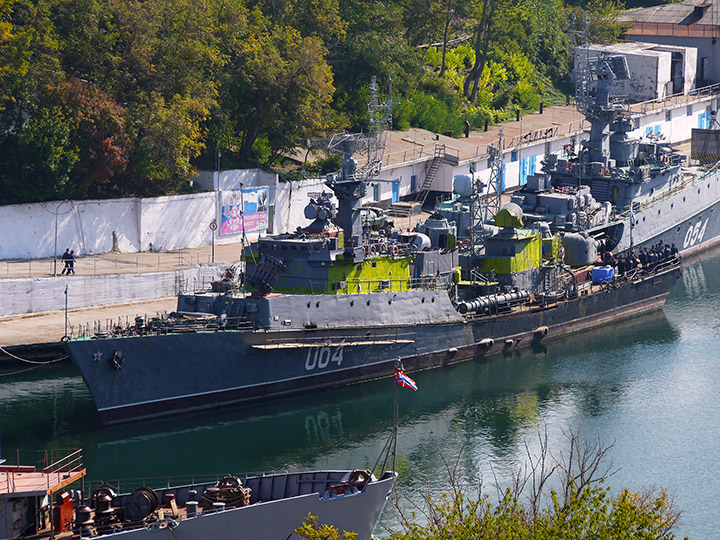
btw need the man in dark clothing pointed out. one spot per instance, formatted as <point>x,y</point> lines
<point>71,263</point>
<point>66,260</point>
<point>643,257</point>
<point>674,251</point>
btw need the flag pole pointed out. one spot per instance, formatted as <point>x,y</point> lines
<point>396,414</point>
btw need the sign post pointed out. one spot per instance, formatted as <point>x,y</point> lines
<point>213,228</point>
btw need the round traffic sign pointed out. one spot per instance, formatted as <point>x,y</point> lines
<point>213,226</point>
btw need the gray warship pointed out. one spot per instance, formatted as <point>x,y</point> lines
<point>625,192</point>
<point>337,303</point>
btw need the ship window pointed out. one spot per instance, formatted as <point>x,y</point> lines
<point>643,218</point>
<point>658,211</point>
<point>683,199</point>
<point>352,303</point>
<point>513,155</point>
<point>689,110</point>
<point>672,205</point>
<point>668,115</point>
<point>374,264</point>
<point>678,229</point>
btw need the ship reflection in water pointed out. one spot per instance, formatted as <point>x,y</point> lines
<point>644,385</point>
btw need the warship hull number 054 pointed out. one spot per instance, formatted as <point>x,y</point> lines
<point>338,303</point>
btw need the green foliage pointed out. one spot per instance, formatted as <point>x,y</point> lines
<point>313,530</point>
<point>581,507</point>
<point>593,513</point>
<point>36,161</point>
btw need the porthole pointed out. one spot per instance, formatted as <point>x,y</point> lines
<point>308,304</point>
<point>352,303</point>
<point>368,302</point>
<point>317,304</point>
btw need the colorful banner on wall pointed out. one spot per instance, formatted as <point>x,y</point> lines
<point>250,202</point>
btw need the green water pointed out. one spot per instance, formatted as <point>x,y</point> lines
<point>649,386</point>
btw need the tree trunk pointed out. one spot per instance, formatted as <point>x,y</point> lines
<point>482,41</point>
<point>448,17</point>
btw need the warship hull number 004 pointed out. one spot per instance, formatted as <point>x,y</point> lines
<point>338,303</point>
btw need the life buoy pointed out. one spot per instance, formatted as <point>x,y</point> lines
<point>373,249</point>
<point>602,171</point>
<point>666,160</point>
<point>569,166</point>
<point>395,251</point>
<point>383,248</point>
<point>466,243</point>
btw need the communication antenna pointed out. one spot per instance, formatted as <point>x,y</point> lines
<point>485,206</point>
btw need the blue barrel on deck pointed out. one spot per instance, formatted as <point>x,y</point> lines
<point>602,274</point>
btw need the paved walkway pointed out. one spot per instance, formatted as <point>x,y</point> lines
<point>124,263</point>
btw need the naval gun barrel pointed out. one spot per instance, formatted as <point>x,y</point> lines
<point>481,303</point>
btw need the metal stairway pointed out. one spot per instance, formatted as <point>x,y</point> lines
<point>431,171</point>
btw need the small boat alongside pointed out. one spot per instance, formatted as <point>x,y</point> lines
<point>57,502</point>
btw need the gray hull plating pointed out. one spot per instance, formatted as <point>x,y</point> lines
<point>162,374</point>
<point>688,218</point>
<point>276,519</point>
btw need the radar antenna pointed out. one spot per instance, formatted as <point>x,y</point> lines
<point>485,206</point>
<point>370,144</point>
<point>594,75</point>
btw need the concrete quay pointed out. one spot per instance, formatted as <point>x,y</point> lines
<point>123,279</point>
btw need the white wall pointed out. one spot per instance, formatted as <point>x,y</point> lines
<point>177,222</point>
<point>28,230</point>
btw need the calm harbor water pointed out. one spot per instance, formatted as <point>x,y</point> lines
<point>649,386</point>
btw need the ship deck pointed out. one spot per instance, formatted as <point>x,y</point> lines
<point>62,468</point>
<point>26,481</point>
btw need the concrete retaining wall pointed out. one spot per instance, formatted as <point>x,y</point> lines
<point>27,231</point>
<point>19,296</point>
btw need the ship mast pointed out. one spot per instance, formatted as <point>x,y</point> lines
<point>350,184</point>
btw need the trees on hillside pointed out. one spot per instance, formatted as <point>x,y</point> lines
<point>102,98</point>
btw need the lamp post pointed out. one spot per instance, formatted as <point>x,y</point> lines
<point>57,208</point>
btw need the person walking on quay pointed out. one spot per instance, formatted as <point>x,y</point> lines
<point>66,259</point>
<point>71,263</point>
